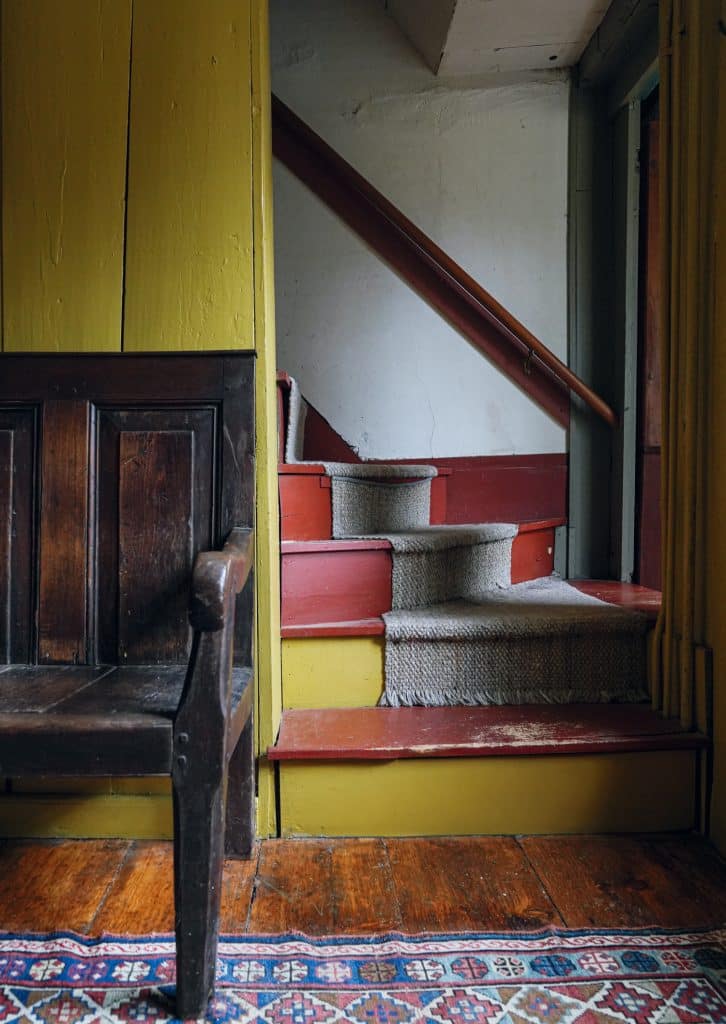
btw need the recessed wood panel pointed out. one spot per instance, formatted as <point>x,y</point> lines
<point>189,281</point>
<point>156,509</point>
<point>65,85</point>
<point>155,544</point>
<point>17,533</point>
<point>63,593</point>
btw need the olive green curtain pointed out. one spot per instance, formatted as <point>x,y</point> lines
<point>690,41</point>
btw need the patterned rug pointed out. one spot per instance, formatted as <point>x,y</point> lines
<point>551,977</point>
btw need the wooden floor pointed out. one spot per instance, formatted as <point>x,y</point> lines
<point>360,886</point>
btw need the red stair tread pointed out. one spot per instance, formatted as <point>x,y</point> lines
<point>381,734</point>
<point>626,595</point>
<point>354,627</point>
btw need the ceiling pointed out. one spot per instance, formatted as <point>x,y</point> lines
<point>462,37</point>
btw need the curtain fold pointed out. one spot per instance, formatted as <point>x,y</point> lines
<point>690,34</point>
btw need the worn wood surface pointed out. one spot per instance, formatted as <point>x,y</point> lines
<point>189,178</point>
<point>65,86</point>
<point>363,886</point>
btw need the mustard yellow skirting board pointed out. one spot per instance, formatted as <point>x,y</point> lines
<point>332,672</point>
<point>84,816</point>
<point>490,796</point>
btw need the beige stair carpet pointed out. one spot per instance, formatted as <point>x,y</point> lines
<point>533,643</point>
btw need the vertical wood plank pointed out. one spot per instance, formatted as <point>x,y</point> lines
<point>155,545</point>
<point>6,523</point>
<point>62,600</point>
<point>189,240</point>
<point>17,533</point>
<point>65,85</point>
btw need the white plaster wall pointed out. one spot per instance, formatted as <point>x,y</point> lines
<point>481,166</point>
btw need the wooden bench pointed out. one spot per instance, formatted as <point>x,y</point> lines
<point>126,510</point>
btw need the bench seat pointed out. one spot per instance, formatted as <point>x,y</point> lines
<point>121,718</point>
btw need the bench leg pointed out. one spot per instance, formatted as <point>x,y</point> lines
<point>198,862</point>
<point>241,809</point>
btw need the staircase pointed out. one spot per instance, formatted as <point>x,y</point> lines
<point>348,766</point>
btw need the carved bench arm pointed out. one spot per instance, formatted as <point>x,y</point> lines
<point>218,576</point>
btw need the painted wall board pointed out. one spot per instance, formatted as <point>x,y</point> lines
<point>189,278</point>
<point>65,81</point>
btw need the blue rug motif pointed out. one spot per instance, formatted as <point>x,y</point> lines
<point>548,977</point>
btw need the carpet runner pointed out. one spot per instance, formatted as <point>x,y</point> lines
<point>459,632</point>
<point>550,977</point>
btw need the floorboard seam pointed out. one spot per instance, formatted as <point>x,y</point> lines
<point>544,887</point>
<point>111,885</point>
<point>253,893</point>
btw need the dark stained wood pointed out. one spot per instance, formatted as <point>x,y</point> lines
<point>467,884</point>
<point>218,578</point>
<point>241,817</point>
<point>293,888</point>
<point>372,734</point>
<point>156,509</point>
<point>50,886</point>
<point>155,544</point>
<point>17,532</point>
<point>237,498</point>
<point>38,688</point>
<point>64,556</point>
<point>622,882</point>
<point>138,483</point>
<point>147,379</point>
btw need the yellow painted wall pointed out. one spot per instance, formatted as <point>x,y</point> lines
<point>490,795</point>
<point>136,216</point>
<point>65,79</point>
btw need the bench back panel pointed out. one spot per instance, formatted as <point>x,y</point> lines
<point>114,472</point>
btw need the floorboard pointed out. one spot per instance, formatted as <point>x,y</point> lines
<point>622,882</point>
<point>464,884</point>
<point>56,886</point>
<point>364,886</point>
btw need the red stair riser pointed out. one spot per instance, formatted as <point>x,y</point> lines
<point>438,500</point>
<point>335,586</point>
<point>306,504</point>
<point>305,507</point>
<point>341,585</point>
<point>533,555</point>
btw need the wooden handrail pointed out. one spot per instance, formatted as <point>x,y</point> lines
<point>527,352</point>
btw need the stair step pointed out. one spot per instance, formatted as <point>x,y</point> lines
<point>328,582</point>
<point>306,500</point>
<point>381,734</point>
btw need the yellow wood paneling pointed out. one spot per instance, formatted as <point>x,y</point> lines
<point>490,795</point>
<point>189,277</point>
<point>269,690</point>
<point>86,817</point>
<point>65,84</point>
<point>332,672</point>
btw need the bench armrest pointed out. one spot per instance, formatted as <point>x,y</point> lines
<point>218,577</point>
